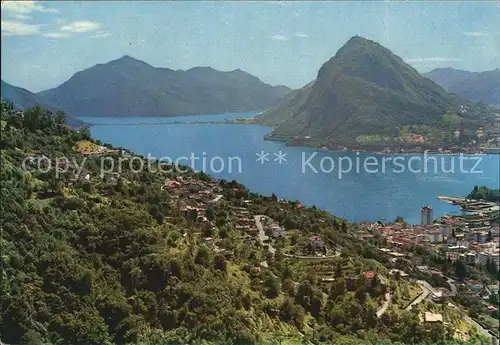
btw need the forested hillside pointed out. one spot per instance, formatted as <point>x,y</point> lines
<point>93,257</point>
<point>24,99</point>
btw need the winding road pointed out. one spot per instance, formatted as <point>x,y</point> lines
<point>262,235</point>
<point>425,292</point>
<point>453,285</point>
<point>384,306</point>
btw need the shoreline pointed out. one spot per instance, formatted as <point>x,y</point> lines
<point>450,199</point>
<point>251,121</point>
<point>381,153</point>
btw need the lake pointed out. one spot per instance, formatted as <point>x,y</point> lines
<point>351,185</point>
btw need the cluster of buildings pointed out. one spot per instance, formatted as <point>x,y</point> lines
<point>193,196</point>
<point>474,240</point>
<point>244,220</point>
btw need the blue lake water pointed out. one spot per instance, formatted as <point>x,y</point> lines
<point>377,186</point>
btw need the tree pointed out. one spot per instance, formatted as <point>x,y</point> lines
<point>272,286</point>
<point>338,270</point>
<point>60,118</point>
<point>304,293</point>
<point>290,312</point>
<point>361,296</point>
<point>32,338</point>
<point>210,213</point>
<point>224,231</point>
<point>203,256</point>
<point>460,270</point>
<point>399,219</point>
<point>85,133</point>
<point>338,288</point>
<point>220,263</point>
<point>274,197</point>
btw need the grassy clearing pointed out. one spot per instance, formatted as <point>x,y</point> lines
<point>85,146</point>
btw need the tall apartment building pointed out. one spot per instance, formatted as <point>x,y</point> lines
<point>426,215</point>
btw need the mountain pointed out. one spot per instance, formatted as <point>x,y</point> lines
<point>22,98</point>
<point>363,96</point>
<point>130,87</point>
<point>475,86</point>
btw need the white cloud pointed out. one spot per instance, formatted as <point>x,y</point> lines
<point>20,16</point>
<point>432,59</point>
<point>301,35</point>
<point>101,35</point>
<point>81,26</point>
<point>278,38</point>
<point>13,28</point>
<point>475,34</point>
<point>55,35</point>
<point>25,7</point>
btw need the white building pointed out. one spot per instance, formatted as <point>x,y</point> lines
<point>457,249</point>
<point>469,258</point>
<point>445,230</point>
<point>492,256</point>
<point>435,237</point>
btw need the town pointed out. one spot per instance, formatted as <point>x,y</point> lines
<point>470,240</point>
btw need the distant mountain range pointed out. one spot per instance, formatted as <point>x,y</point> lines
<point>475,86</point>
<point>130,87</point>
<point>22,98</point>
<point>365,96</point>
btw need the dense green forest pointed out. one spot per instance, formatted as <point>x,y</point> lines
<point>484,193</point>
<point>109,258</point>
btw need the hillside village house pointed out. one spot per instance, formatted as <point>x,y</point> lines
<point>278,232</point>
<point>316,243</point>
<point>433,318</point>
<point>473,285</point>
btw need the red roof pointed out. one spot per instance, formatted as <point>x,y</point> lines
<point>172,184</point>
<point>473,282</point>
<point>369,275</point>
<point>451,220</point>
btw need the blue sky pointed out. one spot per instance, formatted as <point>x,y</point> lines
<point>45,43</point>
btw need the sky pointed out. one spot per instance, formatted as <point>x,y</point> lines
<point>282,43</point>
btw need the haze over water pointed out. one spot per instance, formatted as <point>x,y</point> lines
<point>355,195</point>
